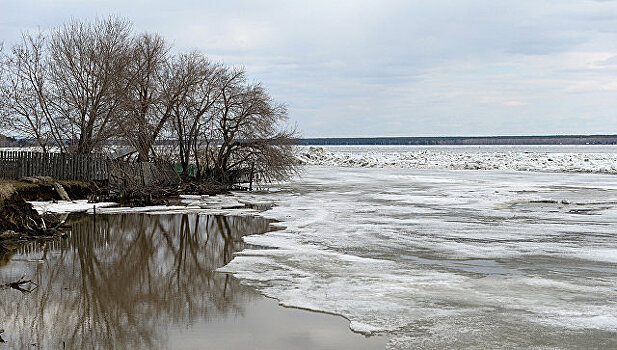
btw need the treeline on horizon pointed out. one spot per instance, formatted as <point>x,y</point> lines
<point>6,141</point>
<point>84,85</point>
<point>461,140</point>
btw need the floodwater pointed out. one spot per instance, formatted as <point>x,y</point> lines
<point>425,258</point>
<point>139,281</point>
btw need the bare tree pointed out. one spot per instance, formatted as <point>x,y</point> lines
<point>24,93</point>
<point>249,125</point>
<point>86,82</point>
<point>87,60</point>
<point>3,77</point>
<point>193,111</point>
<point>142,117</point>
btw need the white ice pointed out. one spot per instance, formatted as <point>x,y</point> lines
<point>202,205</point>
<point>495,158</point>
<point>483,258</point>
<point>64,207</point>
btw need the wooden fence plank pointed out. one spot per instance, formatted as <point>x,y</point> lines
<point>18,164</point>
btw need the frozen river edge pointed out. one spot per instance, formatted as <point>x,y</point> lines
<point>425,255</point>
<point>457,159</point>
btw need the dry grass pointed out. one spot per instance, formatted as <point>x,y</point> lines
<point>6,190</point>
<point>10,187</point>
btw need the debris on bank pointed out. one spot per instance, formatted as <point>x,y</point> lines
<point>20,222</point>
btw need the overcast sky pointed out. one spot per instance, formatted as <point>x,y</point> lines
<point>393,68</point>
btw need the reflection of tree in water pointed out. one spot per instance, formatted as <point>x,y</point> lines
<point>124,279</point>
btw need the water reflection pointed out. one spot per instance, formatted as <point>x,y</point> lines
<point>123,280</point>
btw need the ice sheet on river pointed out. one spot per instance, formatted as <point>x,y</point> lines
<point>444,258</point>
<point>444,158</point>
<point>205,205</point>
<point>64,207</point>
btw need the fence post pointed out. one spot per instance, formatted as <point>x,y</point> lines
<point>20,161</point>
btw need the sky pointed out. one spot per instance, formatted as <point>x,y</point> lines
<point>360,68</point>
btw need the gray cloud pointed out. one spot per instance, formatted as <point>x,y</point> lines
<point>395,67</point>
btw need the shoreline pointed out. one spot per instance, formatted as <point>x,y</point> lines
<point>455,158</point>
<point>17,213</point>
<point>20,223</point>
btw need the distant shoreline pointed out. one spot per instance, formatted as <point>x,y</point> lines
<point>462,140</point>
<point>415,141</point>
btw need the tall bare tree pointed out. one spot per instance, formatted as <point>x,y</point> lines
<point>193,112</point>
<point>3,77</point>
<point>142,117</point>
<point>25,93</point>
<point>87,61</point>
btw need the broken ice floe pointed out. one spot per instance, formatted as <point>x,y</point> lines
<point>603,162</point>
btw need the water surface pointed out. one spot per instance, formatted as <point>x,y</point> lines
<point>137,281</point>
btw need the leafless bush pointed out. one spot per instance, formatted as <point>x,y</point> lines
<point>248,124</point>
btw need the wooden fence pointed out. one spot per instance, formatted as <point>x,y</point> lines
<point>18,164</point>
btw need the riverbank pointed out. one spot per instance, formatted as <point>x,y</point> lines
<point>20,222</point>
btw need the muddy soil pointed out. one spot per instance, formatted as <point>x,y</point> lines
<point>19,222</point>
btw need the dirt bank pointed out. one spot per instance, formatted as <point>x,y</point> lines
<point>19,222</point>
<point>42,188</point>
